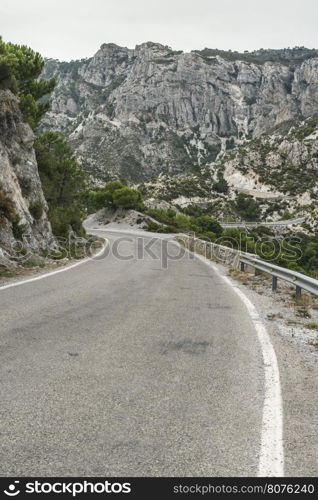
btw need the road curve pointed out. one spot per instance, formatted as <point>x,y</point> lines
<point>121,367</point>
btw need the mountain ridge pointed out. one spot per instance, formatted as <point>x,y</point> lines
<point>136,113</point>
<point>198,127</point>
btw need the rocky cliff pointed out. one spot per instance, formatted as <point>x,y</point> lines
<point>279,169</point>
<point>139,113</point>
<point>22,204</point>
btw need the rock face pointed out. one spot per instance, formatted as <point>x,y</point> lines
<point>282,162</point>
<point>22,204</point>
<point>138,113</point>
<point>279,169</point>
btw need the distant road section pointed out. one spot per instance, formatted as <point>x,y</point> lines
<point>281,223</point>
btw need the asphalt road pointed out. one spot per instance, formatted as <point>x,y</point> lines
<point>122,367</point>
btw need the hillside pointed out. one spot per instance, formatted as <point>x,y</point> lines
<point>23,209</point>
<point>137,113</point>
<point>40,181</point>
<point>278,169</point>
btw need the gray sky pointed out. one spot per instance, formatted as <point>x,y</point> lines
<point>72,29</point>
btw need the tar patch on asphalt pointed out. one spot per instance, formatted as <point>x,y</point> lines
<point>186,346</point>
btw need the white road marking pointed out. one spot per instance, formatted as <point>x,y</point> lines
<point>271,461</point>
<point>57,271</point>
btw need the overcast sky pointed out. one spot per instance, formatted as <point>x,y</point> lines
<point>72,29</point>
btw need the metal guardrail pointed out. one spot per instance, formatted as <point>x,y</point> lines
<point>235,258</point>
<point>301,281</point>
<point>281,223</point>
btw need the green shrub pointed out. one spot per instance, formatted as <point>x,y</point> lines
<point>126,197</point>
<point>209,236</point>
<point>158,228</point>
<point>63,183</point>
<point>208,224</point>
<point>7,207</point>
<point>164,216</point>
<point>103,197</point>
<point>182,221</point>
<point>34,261</point>
<point>36,210</point>
<point>18,229</point>
<point>63,219</point>
<point>114,195</point>
<point>221,186</point>
<point>247,208</point>
<point>171,213</point>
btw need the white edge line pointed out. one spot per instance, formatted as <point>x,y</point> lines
<point>271,460</point>
<point>57,271</point>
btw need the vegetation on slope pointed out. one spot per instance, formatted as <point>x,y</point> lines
<point>63,183</point>
<point>20,68</point>
<point>113,195</point>
<point>295,55</point>
<point>62,179</point>
<point>296,251</point>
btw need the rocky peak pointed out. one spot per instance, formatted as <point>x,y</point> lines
<point>140,112</point>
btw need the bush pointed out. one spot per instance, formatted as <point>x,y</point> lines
<point>7,208</point>
<point>171,213</point>
<point>221,186</point>
<point>209,236</point>
<point>63,219</point>
<point>34,261</point>
<point>183,221</point>
<point>164,216</point>
<point>203,225</point>
<point>294,266</point>
<point>126,197</point>
<point>208,224</point>
<point>36,210</point>
<point>103,197</point>
<point>247,208</point>
<point>18,229</point>
<point>114,195</point>
<point>158,228</point>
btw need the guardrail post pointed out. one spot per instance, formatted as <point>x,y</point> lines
<point>298,292</point>
<point>242,267</point>
<point>274,283</point>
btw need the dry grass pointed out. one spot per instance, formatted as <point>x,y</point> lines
<point>312,325</point>
<point>314,342</point>
<point>305,300</point>
<point>292,322</point>
<point>272,316</point>
<point>302,312</point>
<point>6,272</point>
<point>240,275</point>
